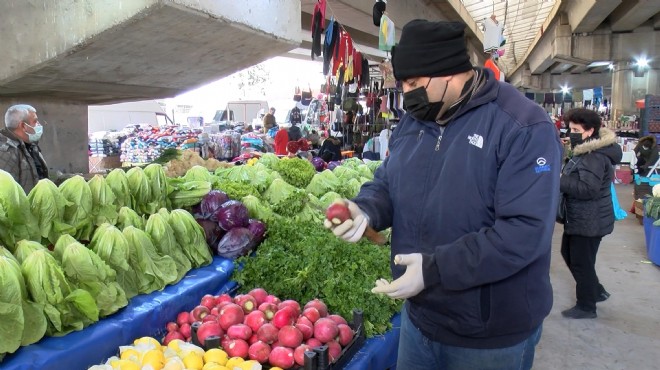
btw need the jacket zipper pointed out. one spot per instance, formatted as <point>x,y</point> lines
<point>437,144</point>
<point>421,133</point>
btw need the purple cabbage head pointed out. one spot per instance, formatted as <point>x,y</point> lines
<point>332,165</point>
<point>236,242</point>
<point>231,214</point>
<point>212,230</point>
<point>258,230</point>
<point>211,202</point>
<point>318,163</point>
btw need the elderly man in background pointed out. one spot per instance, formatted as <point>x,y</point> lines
<point>20,154</point>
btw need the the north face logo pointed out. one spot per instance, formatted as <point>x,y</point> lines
<point>476,140</point>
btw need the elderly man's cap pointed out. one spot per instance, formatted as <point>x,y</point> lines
<point>430,49</point>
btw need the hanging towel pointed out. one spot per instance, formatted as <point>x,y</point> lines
<point>386,36</point>
<point>492,35</point>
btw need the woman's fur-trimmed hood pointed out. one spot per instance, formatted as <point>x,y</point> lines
<point>605,144</point>
<point>606,137</point>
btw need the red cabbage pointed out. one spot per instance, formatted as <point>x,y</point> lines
<point>237,242</point>
<point>231,214</point>
<point>258,230</point>
<point>211,202</point>
<point>332,165</point>
<point>212,230</point>
<point>318,163</point>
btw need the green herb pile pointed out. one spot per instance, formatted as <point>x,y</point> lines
<point>303,261</point>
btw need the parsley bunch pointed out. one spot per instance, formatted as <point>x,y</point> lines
<point>302,261</point>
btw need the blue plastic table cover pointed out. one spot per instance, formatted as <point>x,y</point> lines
<point>379,352</point>
<point>145,315</point>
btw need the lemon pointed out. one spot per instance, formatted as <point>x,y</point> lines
<point>212,366</point>
<point>250,365</point>
<point>175,345</point>
<point>216,355</point>
<point>130,354</point>
<point>234,361</point>
<point>155,358</point>
<point>193,361</point>
<point>174,364</point>
<point>126,365</point>
<point>147,340</point>
<point>276,368</point>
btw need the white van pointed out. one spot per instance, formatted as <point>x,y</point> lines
<point>115,117</point>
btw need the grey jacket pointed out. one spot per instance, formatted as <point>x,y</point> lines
<point>586,183</point>
<point>16,159</point>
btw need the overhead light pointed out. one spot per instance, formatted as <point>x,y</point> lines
<point>599,64</point>
<point>564,89</point>
<point>611,66</point>
<point>642,62</point>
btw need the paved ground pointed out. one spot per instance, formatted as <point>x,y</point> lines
<point>626,334</point>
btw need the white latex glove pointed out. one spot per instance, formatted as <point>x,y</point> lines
<point>352,229</point>
<point>409,284</point>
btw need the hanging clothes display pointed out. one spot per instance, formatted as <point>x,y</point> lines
<point>490,64</point>
<point>318,22</point>
<point>389,82</point>
<point>343,47</point>
<point>578,96</point>
<point>365,78</point>
<point>492,34</point>
<point>295,116</point>
<point>386,35</point>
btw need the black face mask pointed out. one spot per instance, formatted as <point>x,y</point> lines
<point>576,138</point>
<point>416,102</point>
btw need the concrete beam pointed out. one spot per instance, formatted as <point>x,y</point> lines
<point>656,22</point>
<point>632,13</point>
<point>629,46</point>
<point>587,15</point>
<point>101,52</point>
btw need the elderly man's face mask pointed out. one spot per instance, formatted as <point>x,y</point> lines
<point>416,102</point>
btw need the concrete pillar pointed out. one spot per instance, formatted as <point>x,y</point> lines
<point>626,88</point>
<point>64,141</point>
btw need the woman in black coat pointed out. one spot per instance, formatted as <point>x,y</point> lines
<point>585,182</point>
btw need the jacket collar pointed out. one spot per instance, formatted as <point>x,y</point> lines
<point>12,139</point>
<point>606,137</point>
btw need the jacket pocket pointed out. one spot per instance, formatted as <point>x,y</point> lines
<point>460,311</point>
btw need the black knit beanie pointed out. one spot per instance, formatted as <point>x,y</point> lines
<point>430,49</point>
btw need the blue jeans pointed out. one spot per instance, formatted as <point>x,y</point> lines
<point>416,352</point>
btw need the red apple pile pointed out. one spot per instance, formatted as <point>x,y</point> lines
<point>261,327</point>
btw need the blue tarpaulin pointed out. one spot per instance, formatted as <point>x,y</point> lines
<point>146,315</point>
<point>379,352</point>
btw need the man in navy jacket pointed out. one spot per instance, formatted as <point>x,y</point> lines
<point>470,190</point>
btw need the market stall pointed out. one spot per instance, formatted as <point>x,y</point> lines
<point>144,316</point>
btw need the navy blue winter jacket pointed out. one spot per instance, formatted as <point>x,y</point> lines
<point>478,198</point>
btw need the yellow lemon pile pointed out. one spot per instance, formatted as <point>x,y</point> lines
<point>147,354</point>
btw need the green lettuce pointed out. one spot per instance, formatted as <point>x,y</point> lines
<point>328,198</point>
<point>22,322</point>
<point>85,269</point>
<point>258,176</point>
<point>154,272</point>
<point>345,173</point>
<point>163,237</point>
<point>189,193</point>
<point>24,248</point>
<point>258,209</point>
<point>160,189</point>
<point>66,309</point>
<point>47,205</point>
<point>138,183</point>
<point>269,160</point>
<point>198,173</point>
<point>78,213</point>
<point>16,220</point>
<point>322,183</point>
<point>296,171</point>
<point>128,217</point>
<point>112,247</point>
<point>118,182</point>
<point>285,199</point>
<point>190,236</point>
<point>104,202</point>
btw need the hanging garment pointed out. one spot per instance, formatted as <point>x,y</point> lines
<point>357,66</point>
<point>578,96</point>
<point>379,9</point>
<point>348,76</point>
<point>386,37</point>
<point>389,82</point>
<point>344,46</point>
<point>365,78</point>
<point>295,116</point>
<point>493,67</point>
<point>492,35</point>
<point>384,139</point>
<point>331,36</point>
<point>317,30</point>
<point>588,95</point>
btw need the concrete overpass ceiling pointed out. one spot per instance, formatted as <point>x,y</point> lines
<point>522,22</point>
<point>632,14</point>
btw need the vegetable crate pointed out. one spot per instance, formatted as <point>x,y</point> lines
<point>652,235</point>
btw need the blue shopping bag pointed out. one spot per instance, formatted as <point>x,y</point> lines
<point>619,213</point>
